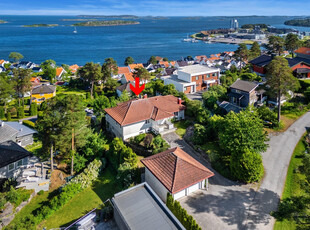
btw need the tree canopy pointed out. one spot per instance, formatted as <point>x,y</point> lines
<point>292,43</point>
<point>128,61</point>
<point>109,68</point>
<point>275,45</point>
<point>16,56</point>
<point>21,82</point>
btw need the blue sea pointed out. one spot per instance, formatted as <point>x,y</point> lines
<point>159,37</point>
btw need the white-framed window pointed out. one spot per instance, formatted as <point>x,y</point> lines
<point>19,163</point>
<point>41,94</point>
<point>176,114</point>
<point>237,91</point>
<point>11,166</point>
<point>197,78</point>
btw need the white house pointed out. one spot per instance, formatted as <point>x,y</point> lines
<point>176,172</point>
<point>193,78</point>
<point>137,116</point>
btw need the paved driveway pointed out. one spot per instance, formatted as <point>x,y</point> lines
<point>228,205</point>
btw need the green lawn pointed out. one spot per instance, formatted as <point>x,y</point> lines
<point>181,127</point>
<point>292,185</point>
<point>64,90</point>
<point>90,198</point>
<point>35,203</point>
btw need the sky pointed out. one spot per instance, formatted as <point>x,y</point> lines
<point>156,7</point>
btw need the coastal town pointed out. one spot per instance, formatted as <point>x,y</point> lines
<point>213,141</point>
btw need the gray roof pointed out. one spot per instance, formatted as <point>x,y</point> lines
<point>42,89</point>
<point>11,152</point>
<point>230,107</point>
<point>125,86</point>
<point>11,129</point>
<point>142,209</point>
<point>197,69</point>
<point>246,86</point>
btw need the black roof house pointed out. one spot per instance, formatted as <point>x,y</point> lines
<point>11,152</point>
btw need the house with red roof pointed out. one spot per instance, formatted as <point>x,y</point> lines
<point>132,67</point>
<point>59,73</point>
<point>74,68</point>
<point>176,172</point>
<point>154,114</point>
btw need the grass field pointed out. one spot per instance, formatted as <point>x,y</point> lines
<point>181,127</point>
<point>292,185</point>
<point>105,187</point>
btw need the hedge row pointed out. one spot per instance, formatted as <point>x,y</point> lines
<point>180,213</point>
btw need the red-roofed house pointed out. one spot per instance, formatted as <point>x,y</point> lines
<point>2,62</point>
<point>132,67</point>
<point>74,68</point>
<point>137,116</point>
<point>176,172</point>
<point>303,52</point>
<point>59,72</point>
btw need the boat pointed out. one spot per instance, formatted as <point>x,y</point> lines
<point>187,39</point>
<point>75,31</point>
<point>194,40</point>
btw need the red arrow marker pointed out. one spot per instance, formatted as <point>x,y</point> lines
<point>137,89</point>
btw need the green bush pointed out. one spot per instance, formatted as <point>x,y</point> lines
<point>180,213</point>
<point>267,115</point>
<point>17,196</point>
<point>20,112</point>
<point>28,123</point>
<point>159,144</point>
<point>33,109</point>
<point>200,134</point>
<point>247,166</point>
<point>2,114</point>
<point>8,116</point>
<point>41,192</point>
<point>138,139</point>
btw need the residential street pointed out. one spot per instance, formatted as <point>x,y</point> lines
<point>228,205</point>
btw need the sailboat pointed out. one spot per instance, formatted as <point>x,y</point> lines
<point>75,31</point>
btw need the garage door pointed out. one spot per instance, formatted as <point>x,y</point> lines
<point>179,195</point>
<point>193,188</point>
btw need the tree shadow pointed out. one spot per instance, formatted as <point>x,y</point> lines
<point>246,209</point>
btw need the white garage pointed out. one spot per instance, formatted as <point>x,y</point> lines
<point>176,172</point>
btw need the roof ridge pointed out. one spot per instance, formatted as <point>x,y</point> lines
<point>174,171</point>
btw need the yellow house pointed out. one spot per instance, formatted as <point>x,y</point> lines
<point>43,92</point>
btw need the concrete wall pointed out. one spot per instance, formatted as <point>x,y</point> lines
<point>157,186</point>
<point>113,126</point>
<point>184,76</point>
<point>178,86</point>
<point>6,173</point>
<point>118,219</point>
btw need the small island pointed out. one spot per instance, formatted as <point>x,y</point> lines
<point>78,20</point>
<point>41,25</point>
<point>298,22</point>
<point>107,23</point>
<point>110,16</point>
<point>2,21</point>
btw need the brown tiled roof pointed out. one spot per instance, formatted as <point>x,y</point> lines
<point>176,170</point>
<point>123,70</point>
<point>136,110</point>
<point>129,77</point>
<point>303,50</point>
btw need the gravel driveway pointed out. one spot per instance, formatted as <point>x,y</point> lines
<point>228,205</point>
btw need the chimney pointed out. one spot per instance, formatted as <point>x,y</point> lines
<point>144,96</point>
<point>1,123</point>
<point>179,101</point>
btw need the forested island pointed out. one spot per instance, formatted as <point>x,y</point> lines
<point>107,23</point>
<point>2,21</point>
<point>78,19</point>
<point>252,26</point>
<point>298,22</point>
<point>41,25</point>
<point>109,16</point>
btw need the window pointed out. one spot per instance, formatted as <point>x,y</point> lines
<point>41,94</point>
<point>147,121</point>
<point>208,75</point>
<point>19,163</point>
<point>11,166</point>
<point>197,78</point>
<point>237,91</point>
<point>176,114</point>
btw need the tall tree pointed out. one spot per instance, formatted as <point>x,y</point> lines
<point>255,50</point>
<point>142,73</point>
<point>74,131</point>
<point>292,43</point>
<point>49,70</point>
<point>6,90</point>
<point>280,79</point>
<point>128,61</point>
<point>242,53</point>
<point>152,60</point>
<point>21,82</point>
<point>91,73</point>
<point>275,45</point>
<point>16,56</point>
<point>49,128</point>
<point>109,68</point>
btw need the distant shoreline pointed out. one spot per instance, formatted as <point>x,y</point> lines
<point>106,23</point>
<point>2,22</point>
<point>41,25</point>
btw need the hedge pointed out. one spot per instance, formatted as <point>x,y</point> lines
<point>28,123</point>
<point>180,213</point>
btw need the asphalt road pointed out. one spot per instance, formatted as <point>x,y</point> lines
<point>229,205</point>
